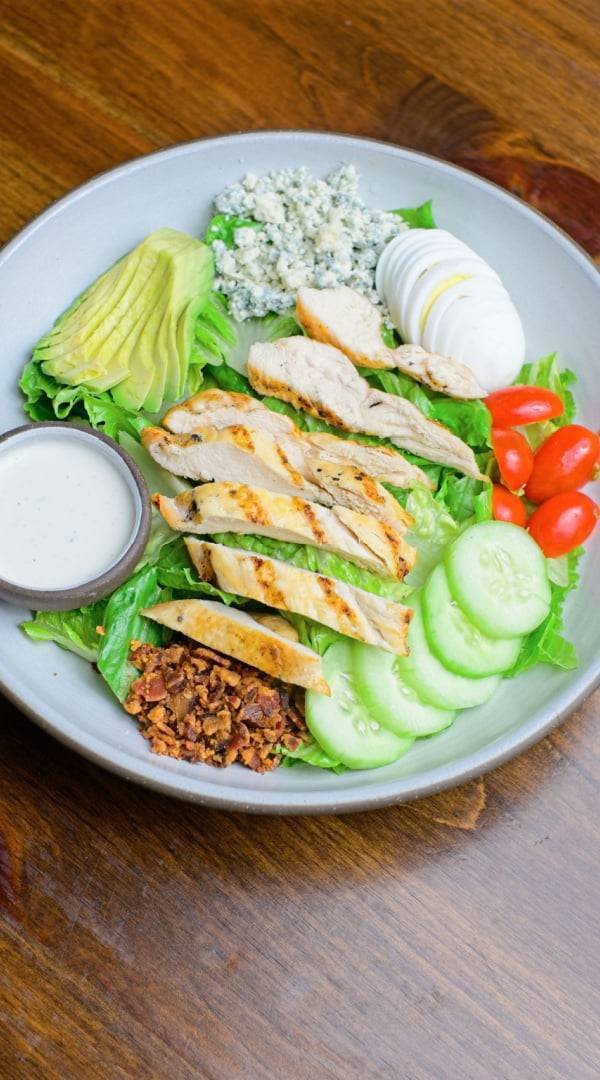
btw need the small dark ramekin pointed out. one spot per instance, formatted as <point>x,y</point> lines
<point>87,593</point>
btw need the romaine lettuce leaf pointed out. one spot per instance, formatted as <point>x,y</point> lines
<point>546,645</point>
<point>75,631</point>
<point>124,624</point>
<point>310,753</point>
<point>434,528</point>
<point>47,399</point>
<point>465,497</point>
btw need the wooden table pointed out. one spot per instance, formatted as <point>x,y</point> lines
<point>451,939</point>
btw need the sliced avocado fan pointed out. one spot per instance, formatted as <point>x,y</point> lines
<point>132,331</point>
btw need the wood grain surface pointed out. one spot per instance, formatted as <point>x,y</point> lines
<point>451,939</point>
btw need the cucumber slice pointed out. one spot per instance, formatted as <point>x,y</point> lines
<point>431,680</point>
<point>342,725</point>
<point>389,698</point>
<point>455,641</point>
<point>498,575</point>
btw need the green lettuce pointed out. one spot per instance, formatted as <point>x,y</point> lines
<point>433,529</point>
<point>47,399</point>
<point>123,624</point>
<point>418,217</point>
<point>465,498</point>
<point>76,631</point>
<point>546,645</point>
<point>310,753</point>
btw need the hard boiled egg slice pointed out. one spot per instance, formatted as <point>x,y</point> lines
<point>444,296</point>
<point>430,286</point>
<point>405,246</point>
<point>405,269</point>
<point>479,326</point>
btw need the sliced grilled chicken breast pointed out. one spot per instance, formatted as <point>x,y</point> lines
<point>344,318</point>
<point>321,380</point>
<point>350,611</point>
<point>239,508</point>
<point>221,409</point>
<point>237,634</point>
<point>253,457</point>
<point>225,408</point>
<point>353,488</point>
<point>377,461</point>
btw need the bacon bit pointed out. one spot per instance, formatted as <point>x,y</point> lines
<point>212,709</point>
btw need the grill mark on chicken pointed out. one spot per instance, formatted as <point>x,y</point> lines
<point>265,576</point>
<point>341,609</point>
<point>275,388</point>
<point>308,513</point>
<point>295,477</point>
<point>250,504</point>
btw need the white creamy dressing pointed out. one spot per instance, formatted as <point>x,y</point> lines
<point>68,512</point>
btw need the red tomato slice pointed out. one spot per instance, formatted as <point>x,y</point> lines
<point>564,462</point>
<point>514,456</point>
<point>563,522</point>
<point>518,405</point>
<point>507,507</point>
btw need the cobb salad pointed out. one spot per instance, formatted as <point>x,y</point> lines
<point>366,503</point>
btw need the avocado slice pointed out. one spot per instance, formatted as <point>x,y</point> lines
<point>72,350</point>
<point>132,330</point>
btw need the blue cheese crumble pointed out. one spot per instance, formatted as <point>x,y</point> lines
<point>315,232</point>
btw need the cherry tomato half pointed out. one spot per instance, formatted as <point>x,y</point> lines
<point>563,522</point>
<point>514,456</point>
<point>507,507</point>
<point>518,405</point>
<point>564,462</point>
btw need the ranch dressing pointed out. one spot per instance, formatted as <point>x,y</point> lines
<point>68,511</point>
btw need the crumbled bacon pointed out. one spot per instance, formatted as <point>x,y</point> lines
<point>197,705</point>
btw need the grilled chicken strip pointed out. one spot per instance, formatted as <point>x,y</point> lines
<point>352,488</point>
<point>350,611</point>
<point>377,461</point>
<point>237,634</point>
<point>239,508</point>
<point>224,408</point>
<point>253,457</point>
<point>321,380</point>
<point>349,321</point>
<point>287,466</point>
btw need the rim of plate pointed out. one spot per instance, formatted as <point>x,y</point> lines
<point>270,802</point>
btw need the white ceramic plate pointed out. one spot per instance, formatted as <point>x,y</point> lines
<point>557,291</point>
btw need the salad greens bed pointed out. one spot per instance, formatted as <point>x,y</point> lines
<point>102,632</point>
